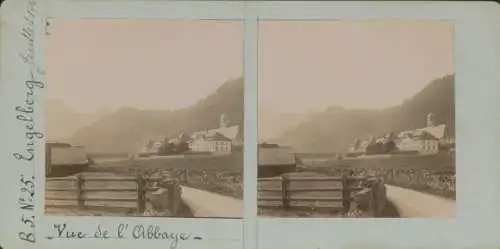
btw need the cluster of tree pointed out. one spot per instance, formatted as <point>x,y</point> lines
<point>381,147</point>
<point>171,148</point>
<point>378,147</point>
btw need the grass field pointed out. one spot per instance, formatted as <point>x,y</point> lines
<point>436,161</point>
<point>231,162</point>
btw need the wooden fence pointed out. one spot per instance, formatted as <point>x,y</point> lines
<point>435,180</point>
<point>108,192</point>
<point>318,193</point>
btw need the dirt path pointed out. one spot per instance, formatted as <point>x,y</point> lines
<point>209,205</point>
<point>413,204</point>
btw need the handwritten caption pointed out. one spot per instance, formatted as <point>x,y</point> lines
<point>123,231</point>
<point>25,114</point>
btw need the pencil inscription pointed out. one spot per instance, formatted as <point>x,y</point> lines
<point>138,232</point>
<point>25,113</point>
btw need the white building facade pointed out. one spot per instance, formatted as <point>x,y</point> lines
<point>423,146</point>
<point>425,140</point>
<point>210,146</point>
<point>220,140</point>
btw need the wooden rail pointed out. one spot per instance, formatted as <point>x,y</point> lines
<point>436,180</point>
<point>318,193</point>
<point>113,192</point>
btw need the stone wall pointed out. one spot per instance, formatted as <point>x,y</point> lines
<point>372,199</point>
<point>165,201</point>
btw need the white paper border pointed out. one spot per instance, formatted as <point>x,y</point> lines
<point>477,59</point>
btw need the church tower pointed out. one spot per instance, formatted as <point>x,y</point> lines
<point>430,120</point>
<point>224,121</point>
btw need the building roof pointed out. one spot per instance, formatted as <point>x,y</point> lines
<point>216,136</point>
<point>55,143</point>
<point>156,146</point>
<point>423,135</point>
<point>198,136</point>
<point>438,131</point>
<point>276,156</point>
<point>230,132</point>
<point>432,132</point>
<point>184,137</point>
<point>68,156</point>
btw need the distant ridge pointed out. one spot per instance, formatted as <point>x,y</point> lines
<point>126,129</point>
<point>334,129</point>
<point>62,121</point>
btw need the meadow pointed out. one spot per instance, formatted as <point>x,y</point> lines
<point>233,162</point>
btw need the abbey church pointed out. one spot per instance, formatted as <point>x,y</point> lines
<point>219,140</point>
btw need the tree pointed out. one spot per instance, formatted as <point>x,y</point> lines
<point>356,145</point>
<point>181,147</point>
<point>375,148</point>
<point>166,149</point>
<point>391,136</point>
<point>149,144</point>
<point>389,146</point>
<point>379,148</point>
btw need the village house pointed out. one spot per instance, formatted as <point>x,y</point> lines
<point>182,138</point>
<point>363,147</point>
<point>275,160</point>
<point>359,146</point>
<point>62,159</point>
<point>151,147</point>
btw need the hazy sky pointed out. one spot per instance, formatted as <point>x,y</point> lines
<point>366,64</point>
<point>149,64</point>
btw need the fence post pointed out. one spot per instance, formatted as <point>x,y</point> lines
<point>285,183</point>
<point>141,200</point>
<point>184,178</point>
<point>346,193</point>
<point>373,200</point>
<point>172,196</point>
<point>48,159</point>
<point>79,191</point>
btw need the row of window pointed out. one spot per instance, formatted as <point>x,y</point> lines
<point>422,145</point>
<point>429,146</point>
<point>213,147</point>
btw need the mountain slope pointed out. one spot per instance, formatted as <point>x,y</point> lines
<point>276,124</point>
<point>126,129</point>
<point>62,121</point>
<point>334,129</point>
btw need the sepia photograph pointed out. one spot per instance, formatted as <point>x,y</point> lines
<point>356,119</point>
<point>144,118</point>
